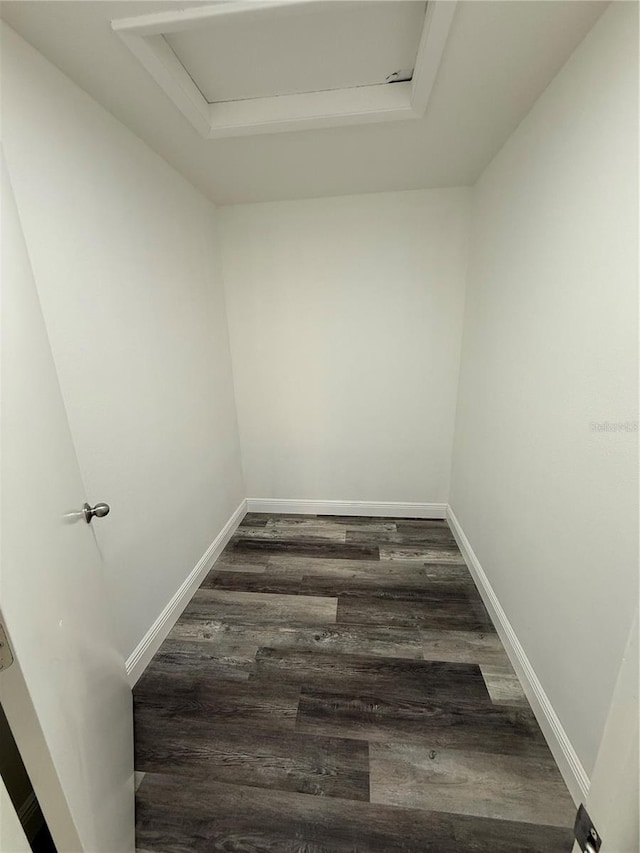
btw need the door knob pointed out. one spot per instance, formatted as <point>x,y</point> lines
<point>99,510</point>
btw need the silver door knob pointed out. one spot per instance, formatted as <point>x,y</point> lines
<point>99,510</point>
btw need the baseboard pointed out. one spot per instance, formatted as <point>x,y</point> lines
<point>157,633</point>
<point>570,766</point>
<point>391,509</point>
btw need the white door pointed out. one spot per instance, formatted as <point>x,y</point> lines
<point>12,837</point>
<point>66,697</point>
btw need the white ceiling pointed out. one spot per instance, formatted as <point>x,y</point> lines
<point>499,58</point>
<point>325,46</point>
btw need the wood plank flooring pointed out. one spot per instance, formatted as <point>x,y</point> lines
<point>336,686</point>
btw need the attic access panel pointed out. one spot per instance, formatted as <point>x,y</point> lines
<point>336,45</point>
<point>236,68</point>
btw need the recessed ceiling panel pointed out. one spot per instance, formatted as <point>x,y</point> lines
<point>273,66</point>
<point>315,47</point>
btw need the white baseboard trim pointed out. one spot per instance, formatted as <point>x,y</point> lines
<point>570,766</point>
<point>157,633</point>
<point>391,509</point>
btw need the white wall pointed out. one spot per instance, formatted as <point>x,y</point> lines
<point>548,502</point>
<point>345,317</point>
<point>125,261</point>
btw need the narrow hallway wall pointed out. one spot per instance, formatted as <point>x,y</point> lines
<point>545,461</point>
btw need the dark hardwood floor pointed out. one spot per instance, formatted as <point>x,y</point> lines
<point>336,685</point>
